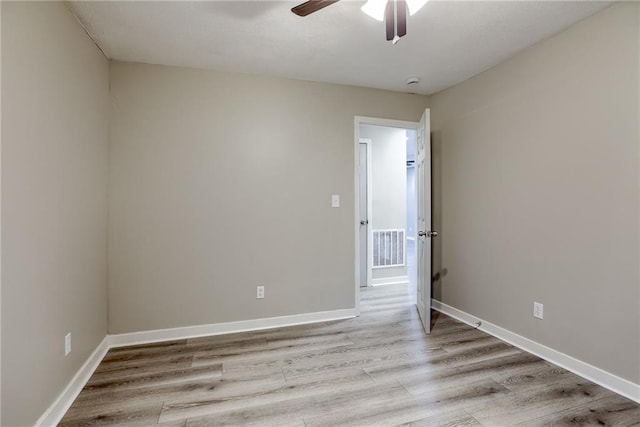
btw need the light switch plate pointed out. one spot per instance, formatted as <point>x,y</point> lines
<point>67,344</point>
<point>335,201</point>
<point>538,310</point>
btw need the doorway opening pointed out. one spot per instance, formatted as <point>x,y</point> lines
<point>393,208</point>
<point>387,202</point>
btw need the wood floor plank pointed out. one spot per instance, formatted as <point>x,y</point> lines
<point>190,408</point>
<point>153,379</point>
<point>131,370</point>
<point>294,410</point>
<point>113,366</point>
<point>179,423</point>
<point>367,355</point>
<point>400,411</point>
<point>458,418</point>
<point>240,337</point>
<point>611,411</point>
<point>357,359</point>
<point>376,369</point>
<point>229,388</point>
<point>537,401</point>
<point>266,353</point>
<point>418,385</point>
<point>130,413</point>
<point>527,376</point>
<point>157,393</point>
<point>433,362</point>
<point>143,350</point>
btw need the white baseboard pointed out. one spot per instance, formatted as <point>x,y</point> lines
<point>396,280</point>
<point>599,376</point>
<point>158,335</point>
<point>56,411</point>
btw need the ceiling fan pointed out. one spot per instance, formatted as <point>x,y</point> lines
<point>392,12</point>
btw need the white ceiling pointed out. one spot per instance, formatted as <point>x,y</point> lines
<point>447,41</point>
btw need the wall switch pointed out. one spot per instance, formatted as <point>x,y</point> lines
<point>67,344</point>
<point>335,201</point>
<point>260,292</point>
<point>538,310</point>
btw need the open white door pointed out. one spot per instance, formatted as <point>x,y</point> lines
<point>423,201</point>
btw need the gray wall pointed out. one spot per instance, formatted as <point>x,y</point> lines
<point>55,109</point>
<point>540,199</point>
<point>221,182</point>
<point>388,184</point>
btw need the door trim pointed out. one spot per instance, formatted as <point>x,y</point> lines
<point>357,121</point>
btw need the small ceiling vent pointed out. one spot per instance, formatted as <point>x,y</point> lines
<point>412,81</point>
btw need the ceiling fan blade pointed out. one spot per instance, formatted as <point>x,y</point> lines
<point>389,20</point>
<point>311,6</point>
<point>401,18</point>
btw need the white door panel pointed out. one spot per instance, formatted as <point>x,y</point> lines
<point>423,239</point>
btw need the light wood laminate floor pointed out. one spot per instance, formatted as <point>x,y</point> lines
<point>377,369</point>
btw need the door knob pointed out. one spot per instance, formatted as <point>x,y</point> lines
<point>364,221</point>
<point>422,233</point>
<point>432,234</point>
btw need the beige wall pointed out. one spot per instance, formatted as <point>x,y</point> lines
<point>540,195</point>
<point>221,182</point>
<point>55,109</point>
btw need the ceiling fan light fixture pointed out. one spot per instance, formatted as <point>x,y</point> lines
<point>375,9</point>
<point>415,5</point>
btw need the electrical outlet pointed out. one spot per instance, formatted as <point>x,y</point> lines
<point>67,344</point>
<point>260,292</point>
<point>538,310</point>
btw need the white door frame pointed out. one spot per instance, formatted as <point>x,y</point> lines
<point>367,142</point>
<point>363,120</point>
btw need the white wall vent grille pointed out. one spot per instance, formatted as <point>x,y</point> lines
<point>388,248</point>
